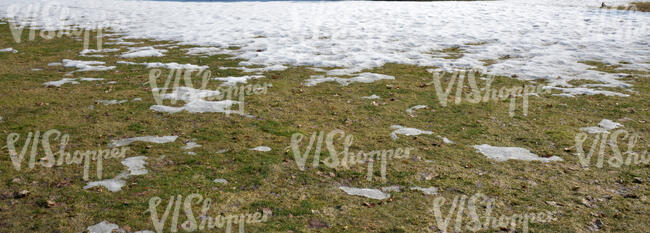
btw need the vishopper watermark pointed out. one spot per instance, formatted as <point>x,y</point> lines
<point>483,220</point>
<point>54,20</point>
<point>485,94</point>
<point>77,157</point>
<point>205,222</point>
<point>231,92</point>
<point>343,158</point>
<point>603,140</point>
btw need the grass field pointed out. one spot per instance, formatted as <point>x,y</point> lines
<point>310,200</point>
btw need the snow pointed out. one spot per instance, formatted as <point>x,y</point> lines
<point>91,79</point>
<point>372,97</point>
<point>90,52</point>
<point>411,110</point>
<point>398,129</point>
<point>171,65</point>
<point>221,181</point>
<point>262,148</point>
<point>393,188</point>
<point>84,66</point>
<point>61,82</point>
<point>135,167</point>
<point>447,141</point>
<point>365,192</point>
<point>545,38</point>
<point>233,81</point>
<point>428,191</point>
<point>111,102</point>
<point>12,50</point>
<point>194,102</point>
<point>144,52</point>
<point>604,126</point>
<point>152,139</point>
<point>204,51</point>
<point>361,78</point>
<point>104,227</point>
<point>256,70</point>
<point>506,153</point>
<point>191,145</point>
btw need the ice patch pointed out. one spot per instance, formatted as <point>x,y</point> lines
<point>84,66</point>
<point>144,52</point>
<point>428,191</point>
<point>361,78</point>
<point>372,97</point>
<point>233,81</point>
<point>365,192</point>
<point>604,126</point>
<point>406,131</point>
<point>135,167</point>
<point>262,148</point>
<point>152,139</point>
<point>505,153</point>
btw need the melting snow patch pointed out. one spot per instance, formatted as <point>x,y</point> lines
<point>171,66</point>
<point>7,50</point>
<point>111,102</point>
<point>411,110</point>
<point>394,188</point>
<point>372,97</point>
<point>104,227</point>
<point>406,131</point>
<point>194,102</point>
<point>233,81</point>
<point>152,139</point>
<point>61,82</point>
<point>447,141</point>
<point>361,78</point>
<point>505,153</point>
<point>257,70</point>
<point>262,148</point>
<point>135,166</point>
<point>204,51</point>
<point>604,126</point>
<point>364,192</point>
<point>191,145</point>
<point>220,181</point>
<point>428,191</point>
<point>90,52</point>
<point>144,52</point>
<point>84,66</point>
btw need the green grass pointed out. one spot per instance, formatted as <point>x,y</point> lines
<point>259,180</point>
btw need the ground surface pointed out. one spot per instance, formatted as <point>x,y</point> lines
<point>310,200</point>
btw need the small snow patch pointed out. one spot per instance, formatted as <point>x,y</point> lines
<point>220,181</point>
<point>365,192</point>
<point>194,102</point>
<point>171,66</point>
<point>428,191</point>
<point>372,97</point>
<point>191,145</point>
<point>604,126</point>
<point>361,78</point>
<point>262,148</point>
<point>152,139</point>
<point>104,227</point>
<point>84,66</point>
<point>135,167</point>
<point>233,81</point>
<point>61,82</point>
<point>8,50</point>
<point>111,102</point>
<point>406,131</point>
<point>394,188</point>
<point>506,153</point>
<point>144,52</point>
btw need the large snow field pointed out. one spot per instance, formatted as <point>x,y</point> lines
<point>541,39</point>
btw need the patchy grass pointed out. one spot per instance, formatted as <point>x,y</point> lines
<point>261,180</point>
